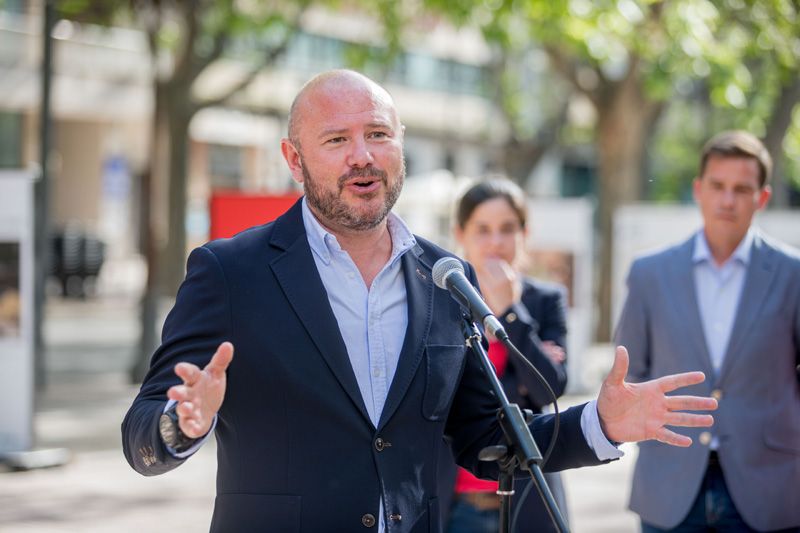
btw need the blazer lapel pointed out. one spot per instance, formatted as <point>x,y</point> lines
<point>684,296</point>
<point>756,288</point>
<point>297,275</point>
<point>419,291</point>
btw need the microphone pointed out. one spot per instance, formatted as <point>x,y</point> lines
<point>448,274</point>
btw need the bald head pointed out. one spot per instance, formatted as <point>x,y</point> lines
<point>345,146</point>
<point>333,86</point>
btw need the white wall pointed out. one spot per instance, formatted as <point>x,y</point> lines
<point>16,344</point>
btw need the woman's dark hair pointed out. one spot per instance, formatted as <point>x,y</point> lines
<point>487,190</point>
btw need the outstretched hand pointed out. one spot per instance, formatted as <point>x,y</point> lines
<point>632,412</point>
<point>201,394</point>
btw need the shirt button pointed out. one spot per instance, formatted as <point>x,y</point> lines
<point>705,438</point>
<point>368,520</point>
<point>376,372</point>
<point>396,517</point>
<point>716,394</point>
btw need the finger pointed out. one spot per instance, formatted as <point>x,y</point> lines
<point>495,271</point>
<point>222,358</point>
<point>188,373</point>
<point>674,439</point>
<point>676,381</point>
<point>507,270</point>
<point>550,345</point>
<point>193,429</point>
<point>179,393</point>
<point>690,403</point>
<point>619,370</point>
<point>187,410</point>
<point>688,420</point>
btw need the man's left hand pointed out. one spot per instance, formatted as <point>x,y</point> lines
<point>632,412</point>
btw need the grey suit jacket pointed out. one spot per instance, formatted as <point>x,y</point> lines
<point>758,420</point>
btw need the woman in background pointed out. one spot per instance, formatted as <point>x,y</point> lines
<point>491,229</point>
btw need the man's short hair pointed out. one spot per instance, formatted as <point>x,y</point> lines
<point>738,143</point>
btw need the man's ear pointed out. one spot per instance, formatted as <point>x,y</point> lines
<point>696,188</point>
<point>764,196</point>
<point>293,159</point>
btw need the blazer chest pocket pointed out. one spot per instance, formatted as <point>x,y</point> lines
<point>444,365</point>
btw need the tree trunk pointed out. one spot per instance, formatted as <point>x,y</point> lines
<point>520,158</point>
<point>174,254</point>
<point>149,241</point>
<point>626,119</point>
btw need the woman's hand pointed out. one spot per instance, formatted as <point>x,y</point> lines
<point>500,284</point>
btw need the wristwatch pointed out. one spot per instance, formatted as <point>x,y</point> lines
<point>171,433</point>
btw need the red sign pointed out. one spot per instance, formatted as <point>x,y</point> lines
<point>235,211</point>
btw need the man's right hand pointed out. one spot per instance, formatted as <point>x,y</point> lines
<point>202,392</point>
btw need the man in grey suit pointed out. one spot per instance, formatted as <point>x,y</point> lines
<point>726,302</point>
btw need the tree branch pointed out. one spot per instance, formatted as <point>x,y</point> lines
<point>568,68</point>
<point>269,57</point>
<point>190,13</point>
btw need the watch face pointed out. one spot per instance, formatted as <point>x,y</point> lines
<point>166,427</point>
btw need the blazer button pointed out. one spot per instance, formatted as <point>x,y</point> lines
<point>511,317</point>
<point>716,394</point>
<point>705,438</point>
<point>368,520</point>
<point>381,444</point>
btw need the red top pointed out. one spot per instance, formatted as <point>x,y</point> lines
<point>465,481</point>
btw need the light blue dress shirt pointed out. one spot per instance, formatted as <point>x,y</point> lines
<point>372,320</point>
<point>718,289</point>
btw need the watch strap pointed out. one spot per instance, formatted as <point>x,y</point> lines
<point>180,441</point>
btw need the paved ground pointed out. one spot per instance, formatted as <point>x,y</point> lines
<point>90,349</point>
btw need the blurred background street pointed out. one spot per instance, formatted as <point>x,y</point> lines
<point>87,395</point>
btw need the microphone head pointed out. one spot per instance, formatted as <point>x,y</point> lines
<point>443,268</point>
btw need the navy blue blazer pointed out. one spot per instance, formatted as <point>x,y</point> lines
<point>296,448</point>
<point>539,316</point>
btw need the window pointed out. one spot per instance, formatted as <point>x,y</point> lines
<point>225,166</point>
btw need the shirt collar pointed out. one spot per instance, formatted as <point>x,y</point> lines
<point>702,252</point>
<point>324,243</point>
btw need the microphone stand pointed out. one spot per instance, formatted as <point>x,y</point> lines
<point>520,449</point>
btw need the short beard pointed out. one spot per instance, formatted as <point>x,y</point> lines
<point>332,209</point>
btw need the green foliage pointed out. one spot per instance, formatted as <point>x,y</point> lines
<point>791,145</point>
<point>722,60</point>
<point>673,153</point>
<point>103,13</point>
